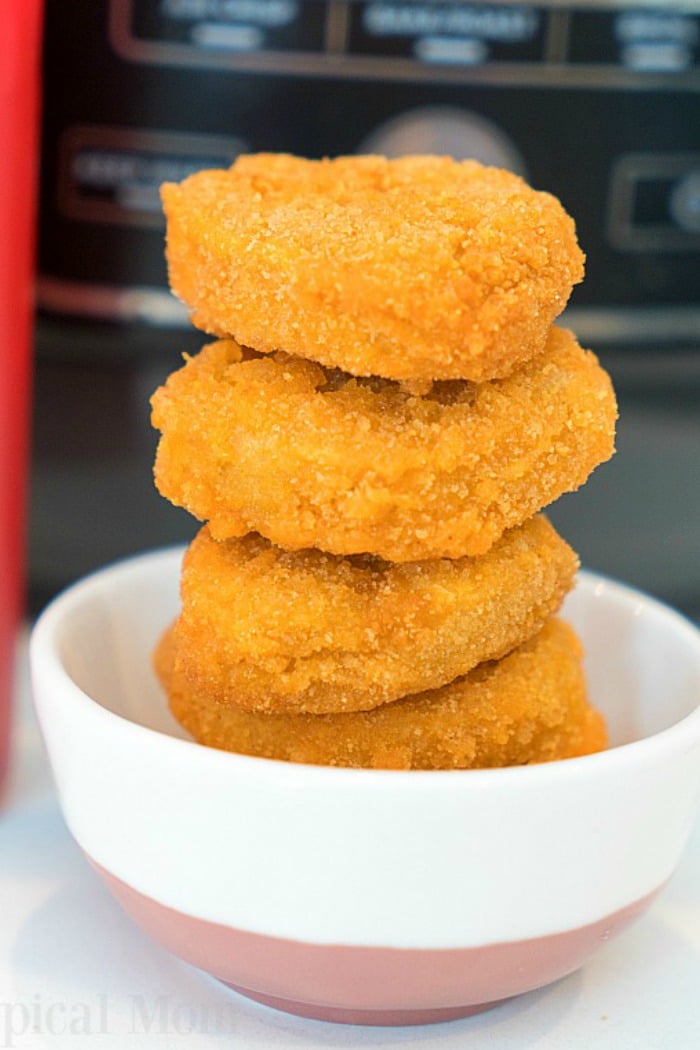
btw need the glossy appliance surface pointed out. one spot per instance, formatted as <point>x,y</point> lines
<point>598,103</point>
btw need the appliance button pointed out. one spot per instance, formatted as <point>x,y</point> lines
<point>445,130</point>
<point>654,203</point>
<point>684,202</point>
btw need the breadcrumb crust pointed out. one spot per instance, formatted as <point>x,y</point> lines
<point>308,458</point>
<point>529,707</point>
<point>271,630</point>
<point>410,268</point>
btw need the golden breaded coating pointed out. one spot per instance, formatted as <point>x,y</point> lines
<point>309,458</point>
<point>529,707</point>
<point>304,631</point>
<point>413,268</point>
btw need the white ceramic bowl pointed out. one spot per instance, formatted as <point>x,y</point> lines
<point>360,895</point>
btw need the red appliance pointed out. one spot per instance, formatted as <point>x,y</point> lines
<point>19,93</point>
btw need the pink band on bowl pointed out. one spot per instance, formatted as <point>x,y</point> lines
<point>368,985</point>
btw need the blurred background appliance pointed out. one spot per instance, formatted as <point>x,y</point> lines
<point>597,102</point>
<point>19,120</point>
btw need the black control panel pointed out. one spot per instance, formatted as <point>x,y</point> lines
<point>598,104</point>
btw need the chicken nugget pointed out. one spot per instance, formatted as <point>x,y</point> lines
<point>413,268</point>
<point>271,630</point>
<point>529,707</point>
<point>311,458</point>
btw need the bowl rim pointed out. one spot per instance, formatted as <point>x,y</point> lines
<point>45,660</point>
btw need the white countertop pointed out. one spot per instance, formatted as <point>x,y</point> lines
<point>73,967</point>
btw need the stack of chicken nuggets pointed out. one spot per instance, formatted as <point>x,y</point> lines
<point>386,410</point>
